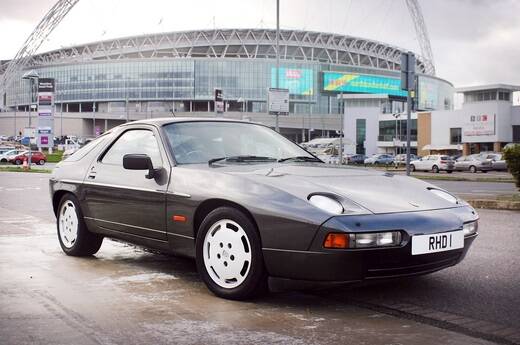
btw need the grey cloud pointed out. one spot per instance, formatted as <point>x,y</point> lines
<point>25,10</point>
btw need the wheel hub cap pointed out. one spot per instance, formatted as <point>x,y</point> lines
<point>68,224</point>
<point>227,253</point>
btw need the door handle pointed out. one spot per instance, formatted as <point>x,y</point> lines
<point>92,175</point>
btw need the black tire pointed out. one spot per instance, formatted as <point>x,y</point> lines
<point>484,171</point>
<point>473,169</point>
<point>86,242</point>
<point>435,169</point>
<point>41,162</point>
<point>18,162</point>
<point>255,281</point>
<point>449,171</point>
<point>412,167</point>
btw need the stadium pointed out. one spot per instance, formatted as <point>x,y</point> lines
<point>102,84</point>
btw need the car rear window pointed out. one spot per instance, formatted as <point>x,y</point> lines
<point>445,158</point>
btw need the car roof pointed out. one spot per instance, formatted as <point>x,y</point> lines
<point>167,120</point>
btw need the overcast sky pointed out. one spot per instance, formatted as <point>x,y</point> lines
<point>474,41</point>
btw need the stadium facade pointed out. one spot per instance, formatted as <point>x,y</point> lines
<point>101,84</point>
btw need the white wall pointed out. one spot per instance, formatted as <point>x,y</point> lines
<point>442,121</point>
<point>371,114</point>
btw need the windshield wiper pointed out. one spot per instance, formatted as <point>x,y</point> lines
<point>244,158</point>
<point>301,158</point>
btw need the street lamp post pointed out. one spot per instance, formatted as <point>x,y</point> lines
<point>33,76</point>
<point>277,123</point>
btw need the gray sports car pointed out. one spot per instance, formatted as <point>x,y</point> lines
<point>249,204</point>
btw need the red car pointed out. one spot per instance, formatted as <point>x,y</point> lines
<point>36,157</point>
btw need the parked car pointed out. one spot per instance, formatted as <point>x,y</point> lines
<point>6,156</point>
<point>497,161</point>
<point>4,149</point>
<point>434,163</point>
<point>36,157</point>
<point>473,163</point>
<point>401,158</point>
<point>246,204</point>
<point>356,159</point>
<point>380,159</point>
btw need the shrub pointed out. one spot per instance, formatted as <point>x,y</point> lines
<point>512,157</point>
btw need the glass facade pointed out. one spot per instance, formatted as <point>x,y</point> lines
<point>396,129</point>
<point>361,136</point>
<point>194,80</point>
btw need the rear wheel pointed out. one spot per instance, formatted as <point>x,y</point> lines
<point>18,162</point>
<point>41,162</point>
<point>75,239</point>
<point>473,169</point>
<point>412,167</point>
<point>435,169</point>
<point>229,255</point>
<point>449,171</point>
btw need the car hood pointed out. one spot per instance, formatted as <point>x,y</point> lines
<point>378,192</point>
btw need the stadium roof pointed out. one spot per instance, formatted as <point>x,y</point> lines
<point>295,45</point>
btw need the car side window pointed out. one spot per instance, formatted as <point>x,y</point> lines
<point>134,141</point>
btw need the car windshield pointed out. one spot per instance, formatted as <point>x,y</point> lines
<point>202,141</point>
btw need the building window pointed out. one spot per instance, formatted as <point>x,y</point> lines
<point>455,136</point>
<point>361,134</point>
<point>516,134</point>
<point>503,96</point>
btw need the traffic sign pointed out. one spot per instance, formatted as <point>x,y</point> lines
<point>278,101</point>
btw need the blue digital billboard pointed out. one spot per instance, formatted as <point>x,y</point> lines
<point>362,83</point>
<point>299,81</point>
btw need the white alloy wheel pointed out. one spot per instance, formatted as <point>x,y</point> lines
<point>227,253</point>
<point>68,224</point>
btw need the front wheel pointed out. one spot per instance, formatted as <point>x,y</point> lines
<point>412,167</point>
<point>229,255</point>
<point>473,169</point>
<point>75,239</point>
<point>41,162</point>
<point>435,169</point>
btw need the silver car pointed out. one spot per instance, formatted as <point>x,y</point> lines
<point>497,160</point>
<point>473,163</point>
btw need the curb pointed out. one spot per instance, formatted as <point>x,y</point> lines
<point>495,204</point>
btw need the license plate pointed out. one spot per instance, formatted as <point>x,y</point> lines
<point>434,243</point>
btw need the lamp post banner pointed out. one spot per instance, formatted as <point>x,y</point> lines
<point>45,98</point>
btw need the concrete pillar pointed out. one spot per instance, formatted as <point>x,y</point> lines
<point>67,107</point>
<point>497,147</point>
<point>209,106</point>
<point>191,106</point>
<point>80,107</point>
<point>106,125</point>
<point>465,149</point>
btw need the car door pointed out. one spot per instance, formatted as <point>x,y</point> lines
<point>125,201</point>
<point>461,163</point>
<point>423,163</point>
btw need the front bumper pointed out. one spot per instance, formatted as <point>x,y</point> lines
<point>353,265</point>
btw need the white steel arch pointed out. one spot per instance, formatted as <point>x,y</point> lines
<point>422,35</point>
<point>34,41</point>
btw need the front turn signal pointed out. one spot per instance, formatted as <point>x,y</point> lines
<point>337,241</point>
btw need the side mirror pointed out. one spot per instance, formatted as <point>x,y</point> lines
<point>139,162</point>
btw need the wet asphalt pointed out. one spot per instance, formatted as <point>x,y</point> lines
<point>126,295</point>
